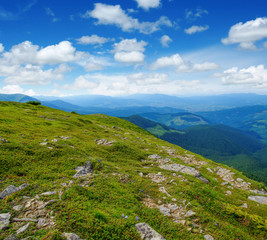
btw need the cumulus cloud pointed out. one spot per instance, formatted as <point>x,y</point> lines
<point>177,62</point>
<point>12,89</point>
<point>93,39</point>
<point>80,83</point>
<point>148,79</point>
<point>194,14</point>
<point>1,48</point>
<point>114,15</point>
<point>146,4</point>
<point>246,34</point>
<point>129,51</point>
<point>254,75</point>
<point>165,40</point>
<point>195,29</point>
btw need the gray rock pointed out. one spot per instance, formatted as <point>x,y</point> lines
<point>24,220</point>
<point>4,220</point>
<point>165,211</point>
<point>71,236</point>
<point>41,222</point>
<point>208,237</point>
<point>182,169</point>
<point>49,193</point>
<point>83,171</point>
<point>18,207</point>
<point>12,237</point>
<point>259,199</point>
<point>261,192</point>
<point>147,233</point>
<point>23,229</point>
<point>11,189</point>
<point>245,205</point>
<point>190,213</point>
<point>154,156</point>
<point>203,179</point>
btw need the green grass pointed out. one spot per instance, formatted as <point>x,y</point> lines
<point>92,208</point>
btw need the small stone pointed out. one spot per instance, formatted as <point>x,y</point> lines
<point>208,237</point>
<point>49,193</point>
<point>228,193</point>
<point>23,229</point>
<point>24,220</point>
<point>210,170</point>
<point>84,170</point>
<point>245,205</point>
<point>174,199</point>
<point>4,220</point>
<point>147,233</point>
<point>41,222</point>
<point>141,174</point>
<point>18,207</point>
<point>165,211</point>
<point>239,180</point>
<point>12,237</point>
<point>190,213</point>
<point>71,236</point>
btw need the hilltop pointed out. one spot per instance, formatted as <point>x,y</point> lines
<point>100,177</point>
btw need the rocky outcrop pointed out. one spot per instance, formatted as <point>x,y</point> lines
<point>148,233</point>
<point>184,169</point>
<point>259,199</point>
<point>104,142</point>
<point>71,236</point>
<point>23,229</point>
<point>84,170</point>
<point>4,220</point>
<point>12,189</point>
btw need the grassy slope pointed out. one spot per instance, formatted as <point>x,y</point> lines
<point>93,210</point>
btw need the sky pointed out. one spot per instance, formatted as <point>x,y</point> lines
<point>119,48</point>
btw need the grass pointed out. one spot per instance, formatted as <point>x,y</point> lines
<point>93,208</point>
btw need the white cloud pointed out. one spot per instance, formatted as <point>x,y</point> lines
<point>146,4</point>
<point>246,34</point>
<point>50,13</point>
<point>195,29</point>
<point>254,75</point>
<point>193,15</point>
<point>1,48</point>
<point>129,51</point>
<point>181,65</point>
<point>93,39</point>
<point>265,44</point>
<point>12,89</point>
<point>80,83</point>
<point>114,15</point>
<point>172,61</point>
<point>148,79</point>
<point>165,40</point>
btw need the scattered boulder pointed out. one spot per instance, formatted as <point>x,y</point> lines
<point>190,213</point>
<point>49,193</point>
<point>104,142</point>
<point>208,237</point>
<point>4,220</point>
<point>23,229</point>
<point>84,170</point>
<point>18,207</point>
<point>12,237</point>
<point>154,157</point>
<point>261,192</point>
<point>259,199</point>
<point>71,236</point>
<point>12,189</point>
<point>148,233</point>
<point>156,177</point>
<point>245,205</point>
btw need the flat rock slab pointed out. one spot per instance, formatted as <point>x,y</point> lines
<point>11,189</point>
<point>147,233</point>
<point>71,236</point>
<point>259,199</point>
<point>182,169</point>
<point>84,170</point>
<point>23,229</point>
<point>4,220</point>
<point>208,237</point>
<point>12,237</point>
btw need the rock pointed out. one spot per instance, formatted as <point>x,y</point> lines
<point>181,168</point>
<point>4,220</point>
<point>18,207</point>
<point>12,189</point>
<point>104,142</point>
<point>23,229</point>
<point>163,190</point>
<point>203,179</point>
<point>49,193</point>
<point>228,193</point>
<point>208,237</point>
<point>12,237</point>
<point>154,156</point>
<point>24,220</point>
<point>83,171</point>
<point>41,222</point>
<point>245,205</point>
<point>210,170</point>
<point>190,213</point>
<point>259,199</point>
<point>261,192</point>
<point>165,211</point>
<point>141,174</point>
<point>71,236</point>
<point>147,233</point>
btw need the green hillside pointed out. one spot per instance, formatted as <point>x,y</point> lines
<point>217,142</point>
<point>99,177</point>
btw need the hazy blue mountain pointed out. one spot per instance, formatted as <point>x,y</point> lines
<point>16,98</point>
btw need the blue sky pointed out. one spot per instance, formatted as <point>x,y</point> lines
<point>118,47</point>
